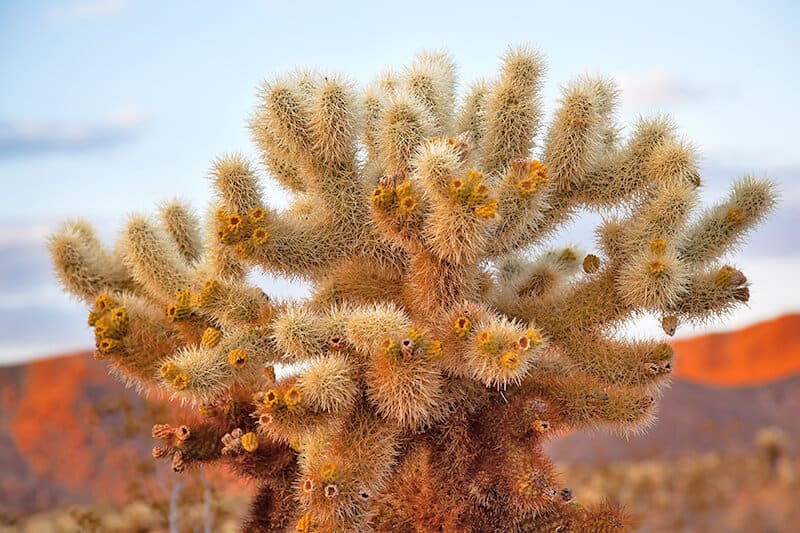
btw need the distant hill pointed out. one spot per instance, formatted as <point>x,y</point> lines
<point>756,354</point>
<point>70,433</point>
<point>695,418</point>
<point>62,434</point>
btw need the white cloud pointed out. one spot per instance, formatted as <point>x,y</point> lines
<point>24,234</point>
<point>657,88</point>
<point>35,138</point>
<point>127,115</point>
<point>24,352</point>
<point>87,9</point>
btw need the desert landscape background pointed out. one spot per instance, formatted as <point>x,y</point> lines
<point>723,454</point>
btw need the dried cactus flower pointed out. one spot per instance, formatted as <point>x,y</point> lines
<point>435,354</point>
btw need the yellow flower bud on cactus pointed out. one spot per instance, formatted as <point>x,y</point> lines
<point>457,186</point>
<point>527,187</point>
<point>541,426</point>
<point>103,302</point>
<point>724,275</point>
<point>182,308</point>
<point>538,171</point>
<point>211,337</point>
<point>479,193</point>
<point>183,298</point>
<point>304,524</point>
<point>242,250</point>
<point>375,197</point>
<point>256,215</point>
<point>271,398</point>
<point>510,360</point>
<point>487,210</point>
<point>102,326</point>
<point>403,190</point>
<point>94,316</point>
<point>209,294</point>
<point>119,318</point>
<point>485,341</point>
<point>734,216</point>
<point>655,268</point>
<point>462,326</point>
<point>177,313</point>
<point>207,410</point>
<point>107,345</point>
<point>293,397</point>
<point>435,349</point>
<point>525,487</point>
<point>415,334</point>
<point>658,246</point>
<point>382,197</point>
<point>260,236</point>
<point>389,346</point>
<point>180,382</point>
<point>168,370</point>
<point>237,358</point>
<point>250,442</point>
<point>473,175</point>
<point>473,183</point>
<point>407,205</point>
<point>327,470</point>
<point>235,223</point>
<point>534,336</point>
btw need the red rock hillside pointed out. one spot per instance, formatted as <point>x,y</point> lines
<point>757,354</point>
<point>62,434</point>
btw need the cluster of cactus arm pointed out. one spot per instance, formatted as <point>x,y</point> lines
<point>442,341</point>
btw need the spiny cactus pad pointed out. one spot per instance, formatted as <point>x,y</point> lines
<point>443,340</point>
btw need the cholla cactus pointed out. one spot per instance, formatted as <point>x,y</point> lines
<point>442,343</point>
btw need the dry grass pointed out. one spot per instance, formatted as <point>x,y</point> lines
<point>699,493</point>
<point>139,516</point>
<point>695,493</point>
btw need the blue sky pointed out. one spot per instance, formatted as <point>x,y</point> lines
<point>110,106</point>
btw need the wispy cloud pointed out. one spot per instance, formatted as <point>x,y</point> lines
<point>658,88</point>
<point>32,332</point>
<point>24,234</point>
<point>86,9</point>
<point>21,138</point>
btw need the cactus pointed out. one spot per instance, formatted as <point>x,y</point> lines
<point>443,342</point>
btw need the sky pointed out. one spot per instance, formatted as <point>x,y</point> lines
<point>109,107</point>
